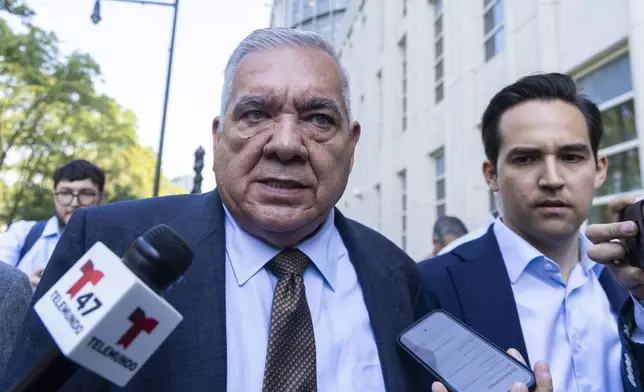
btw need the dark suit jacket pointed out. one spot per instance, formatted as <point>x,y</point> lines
<point>472,283</point>
<point>15,295</point>
<point>193,358</point>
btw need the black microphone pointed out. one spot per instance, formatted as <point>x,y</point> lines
<point>109,315</point>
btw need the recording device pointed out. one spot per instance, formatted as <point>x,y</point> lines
<point>460,358</point>
<point>106,313</point>
<point>634,251</point>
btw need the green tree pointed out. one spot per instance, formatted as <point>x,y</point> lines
<point>51,113</point>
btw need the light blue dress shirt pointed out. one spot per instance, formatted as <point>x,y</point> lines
<point>346,351</point>
<point>570,325</point>
<point>12,241</point>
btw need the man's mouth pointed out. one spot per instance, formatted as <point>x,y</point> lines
<point>552,203</point>
<point>283,183</point>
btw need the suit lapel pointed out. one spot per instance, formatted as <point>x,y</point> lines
<point>485,293</point>
<point>199,343</point>
<point>616,294</point>
<point>378,283</point>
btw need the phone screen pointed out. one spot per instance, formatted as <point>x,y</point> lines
<point>461,357</point>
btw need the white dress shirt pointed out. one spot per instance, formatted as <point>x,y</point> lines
<point>570,325</point>
<point>346,352</point>
<point>12,241</point>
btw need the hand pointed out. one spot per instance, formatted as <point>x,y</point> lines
<point>35,278</point>
<point>541,374</point>
<point>610,251</point>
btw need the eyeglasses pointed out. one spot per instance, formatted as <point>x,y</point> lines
<point>84,197</point>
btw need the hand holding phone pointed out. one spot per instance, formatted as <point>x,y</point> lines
<point>619,245</point>
<point>634,250</point>
<point>464,361</point>
<point>542,376</point>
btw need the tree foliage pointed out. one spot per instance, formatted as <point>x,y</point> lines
<point>51,113</point>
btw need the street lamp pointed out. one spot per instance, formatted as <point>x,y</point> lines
<point>96,17</point>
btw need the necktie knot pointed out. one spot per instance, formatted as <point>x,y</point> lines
<point>289,261</point>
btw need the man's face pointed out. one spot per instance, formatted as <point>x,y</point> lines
<point>546,175</point>
<point>440,244</point>
<point>70,195</point>
<point>286,150</point>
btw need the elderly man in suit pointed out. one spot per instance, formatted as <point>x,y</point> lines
<point>284,292</point>
<point>15,296</point>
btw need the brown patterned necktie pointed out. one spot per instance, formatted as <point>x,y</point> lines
<point>290,358</point>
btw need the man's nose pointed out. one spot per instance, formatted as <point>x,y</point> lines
<point>286,142</point>
<point>551,176</point>
<point>75,202</point>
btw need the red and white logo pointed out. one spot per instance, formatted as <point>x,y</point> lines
<point>140,323</point>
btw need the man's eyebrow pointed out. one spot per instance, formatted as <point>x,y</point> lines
<point>256,101</point>
<point>318,103</point>
<point>573,147</point>
<point>523,150</point>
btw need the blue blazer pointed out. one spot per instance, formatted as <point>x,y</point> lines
<point>472,283</point>
<point>193,358</point>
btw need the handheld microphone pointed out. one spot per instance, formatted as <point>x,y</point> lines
<point>106,314</point>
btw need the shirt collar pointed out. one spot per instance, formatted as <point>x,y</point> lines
<point>517,253</point>
<point>248,254</point>
<point>52,228</point>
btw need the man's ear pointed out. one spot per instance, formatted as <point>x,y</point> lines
<point>216,133</point>
<point>601,171</point>
<point>489,172</point>
<point>355,136</point>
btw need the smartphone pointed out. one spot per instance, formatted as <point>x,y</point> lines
<point>460,358</point>
<point>635,252</point>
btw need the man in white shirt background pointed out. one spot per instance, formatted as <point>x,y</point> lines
<point>28,245</point>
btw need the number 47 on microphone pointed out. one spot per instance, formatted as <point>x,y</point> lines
<point>103,317</point>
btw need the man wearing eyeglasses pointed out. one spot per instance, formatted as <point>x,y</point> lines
<point>28,245</point>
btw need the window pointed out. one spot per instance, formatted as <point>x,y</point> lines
<point>309,9</point>
<point>439,87</point>
<point>323,6</point>
<point>599,214</point>
<point>341,4</point>
<point>324,27</point>
<point>378,207</point>
<point>381,25</point>
<point>381,110</point>
<point>494,32</point>
<point>402,45</point>
<point>297,12</point>
<point>402,178</point>
<point>439,167</point>
<point>337,24</point>
<point>623,173</point>
<point>610,86</point>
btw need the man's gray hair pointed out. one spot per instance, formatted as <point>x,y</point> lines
<point>277,37</point>
<point>448,225</point>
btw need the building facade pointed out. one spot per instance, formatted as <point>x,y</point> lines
<point>321,16</point>
<point>422,73</point>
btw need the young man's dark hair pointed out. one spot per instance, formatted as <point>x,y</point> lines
<point>545,87</point>
<point>80,169</point>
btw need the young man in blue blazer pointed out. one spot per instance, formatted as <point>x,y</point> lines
<point>528,283</point>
